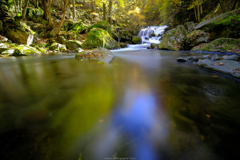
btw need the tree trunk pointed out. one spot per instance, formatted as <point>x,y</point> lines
<point>110,12</point>
<point>35,3</point>
<point>63,17</point>
<point>74,9</point>
<point>195,13</point>
<point>44,3</point>
<point>25,9</point>
<point>20,6</point>
<point>94,6</point>
<point>235,5</point>
<point>104,12</point>
<point>222,4</point>
<point>15,6</point>
<point>50,12</point>
<point>198,10</point>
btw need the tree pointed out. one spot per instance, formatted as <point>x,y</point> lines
<point>104,12</point>
<point>50,12</point>
<point>63,16</point>
<point>25,9</point>
<point>74,9</point>
<point>110,12</point>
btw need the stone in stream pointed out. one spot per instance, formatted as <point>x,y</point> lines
<point>195,38</point>
<point>181,59</point>
<point>58,47</point>
<point>137,40</point>
<point>100,54</point>
<point>231,57</point>
<point>228,67</point>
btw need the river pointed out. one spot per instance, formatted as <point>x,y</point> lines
<point>143,106</point>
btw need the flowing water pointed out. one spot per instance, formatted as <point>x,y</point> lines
<point>148,38</point>
<point>142,106</point>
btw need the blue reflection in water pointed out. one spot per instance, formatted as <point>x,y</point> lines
<point>136,120</point>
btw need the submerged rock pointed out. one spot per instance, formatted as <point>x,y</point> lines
<point>98,37</point>
<point>100,54</point>
<point>174,39</point>
<point>195,38</point>
<point>220,45</point>
<point>228,67</point>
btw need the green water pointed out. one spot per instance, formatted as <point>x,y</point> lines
<point>144,105</point>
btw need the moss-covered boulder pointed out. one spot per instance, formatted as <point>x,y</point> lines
<point>23,50</point>
<point>226,25</point>
<point>100,54</point>
<point>98,37</point>
<point>189,26</point>
<point>221,45</point>
<point>52,33</point>
<point>58,47</point>
<point>103,24</point>
<point>73,44</point>
<point>19,32</point>
<point>78,27</point>
<point>195,38</point>
<point>137,40</point>
<point>174,39</point>
<point>8,52</point>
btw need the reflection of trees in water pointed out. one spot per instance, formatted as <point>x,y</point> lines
<point>204,111</point>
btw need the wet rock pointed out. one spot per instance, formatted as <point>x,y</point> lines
<point>23,50</point>
<point>137,40</point>
<point>36,116</point>
<point>73,44</point>
<point>220,45</point>
<point>100,54</point>
<point>153,46</point>
<point>58,47</point>
<point>3,39</point>
<point>174,39</point>
<point>231,57</point>
<point>228,67</point>
<point>3,47</point>
<point>123,45</point>
<point>181,59</point>
<point>195,38</point>
<point>103,25</point>
<point>189,26</point>
<point>193,58</point>
<point>8,52</point>
<point>199,47</point>
<point>79,50</point>
<point>215,57</point>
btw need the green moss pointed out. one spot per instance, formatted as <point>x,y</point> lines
<point>98,37</point>
<point>102,24</point>
<point>137,40</point>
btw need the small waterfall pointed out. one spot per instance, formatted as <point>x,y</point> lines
<point>30,39</point>
<point>146,32</point>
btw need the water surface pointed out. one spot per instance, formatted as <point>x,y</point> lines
<point>144,106</point>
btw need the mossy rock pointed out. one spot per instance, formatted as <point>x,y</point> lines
<point>19,33</point>
<point>226,25</point>
<point>195,38</point>
<point>58,47</point>
<point>137,40</point>
<point>103,24</point>
<point>174,39</point>
<point>23,50</point>
<point>73,44</point>
<point>152,35</point>
<point>78,27</point>
<point>221,45</point>
<point>98,37</point>
<point>189,26</point>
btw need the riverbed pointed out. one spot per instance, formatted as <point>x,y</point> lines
<point>144,105</point>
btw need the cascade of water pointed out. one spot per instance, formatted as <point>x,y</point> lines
<point>147,34</point>
<point>30,39</point>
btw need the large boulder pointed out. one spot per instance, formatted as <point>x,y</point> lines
<point>174,39</point>
<point>195,38</point>
<point>189,26</point>
<point>98,37</point>
<point>100,54</point>
<point>19,32</point>
<point>220,45</point>
<point>73,44</point>
<point>224,66</point>
<point>137,40</point>
<point>226,25</point>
